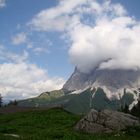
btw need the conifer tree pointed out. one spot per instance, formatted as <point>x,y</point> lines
<point>0,100</point>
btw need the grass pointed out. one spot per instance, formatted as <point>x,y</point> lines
<point>54,124</point>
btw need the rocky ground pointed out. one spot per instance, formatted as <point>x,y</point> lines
<point>106,121</point>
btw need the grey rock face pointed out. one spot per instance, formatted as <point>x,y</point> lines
<point>114,79</point>
<point>106,121</point>
<point>77,81</point>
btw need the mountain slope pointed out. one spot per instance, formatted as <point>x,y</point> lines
<point>113,82</point>
<point>82,102</point>
<point>113,79</point>
<point>100,89</point>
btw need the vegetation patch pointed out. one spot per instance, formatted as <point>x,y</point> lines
<point>53,124</point>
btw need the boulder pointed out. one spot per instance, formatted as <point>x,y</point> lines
<point>106,121</point>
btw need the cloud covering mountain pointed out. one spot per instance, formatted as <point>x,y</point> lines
<point>100,35</point>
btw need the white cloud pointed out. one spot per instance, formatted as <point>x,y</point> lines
<point>57,18</point>
<point>19,39</point>
<point>20,79</point>
<point>68,13</point>
<point>119,9</point>
<point>40,50</point>
<point>111,43</point>
<point>40,45</point>
<point>2,3</point>
<point>17,57</point>
<point>30,45</point>
<point>102,35</point>
<point>107,40</point>
<point>24,80</point>
<point>8,56</point>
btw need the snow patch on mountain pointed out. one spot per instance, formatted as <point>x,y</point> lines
<point>136,98</point>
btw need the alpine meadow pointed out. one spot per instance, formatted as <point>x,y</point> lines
<point>69,70</point>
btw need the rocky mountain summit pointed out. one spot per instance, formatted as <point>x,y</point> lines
<point>99,89</point>
<point>115,83</point>
<point>106,121</point>
<point>112,79</point>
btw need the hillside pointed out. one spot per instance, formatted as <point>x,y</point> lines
<point>80,103</point>
<point>99,89</point>
<point>53,124</point>
<point>51,95</point>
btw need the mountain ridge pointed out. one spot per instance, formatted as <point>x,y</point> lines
<point>114,82</point>
<point>116,79</point>
<point>100,89</point>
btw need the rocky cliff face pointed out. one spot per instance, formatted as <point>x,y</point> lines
<point>100,89</point>
<point>114,83</point>
<point>112,79</point>
<point>77,81</point>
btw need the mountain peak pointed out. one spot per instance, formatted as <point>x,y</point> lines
<point>113,80</point>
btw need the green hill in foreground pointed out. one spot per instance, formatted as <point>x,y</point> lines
<point>52,124</point>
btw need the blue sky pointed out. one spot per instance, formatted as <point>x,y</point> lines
<point>26,40</point>
<point>14,18</point>
<point>20,12</point>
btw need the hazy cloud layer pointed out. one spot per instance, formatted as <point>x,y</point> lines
<point>20,79</point>
<point>11,57</point>
<point>25,80</point>
<point>19,39</point>
<point>102,35</point>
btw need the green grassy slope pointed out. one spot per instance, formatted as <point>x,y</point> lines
<point>51,95</point>
<point>75,103</point>
<point>78,103</point>
<point>54,124</point>
<point>42,100</point>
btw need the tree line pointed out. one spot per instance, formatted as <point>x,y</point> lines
<point>135,111</point>
<point>14,102</point>
<point>1,101</point>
